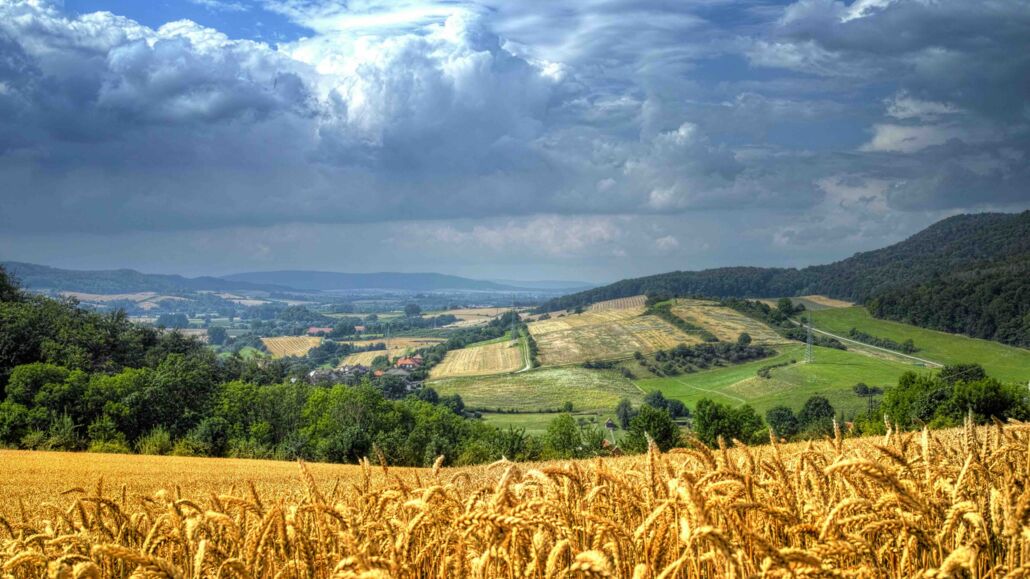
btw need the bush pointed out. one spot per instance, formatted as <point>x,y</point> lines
<point>109,447</point>
<point>189,446</point>
<point>563,439</point>
<point>713,420</point>
<point>61,435</point>
<point>34,440</point>
<point>783,421</point>
<point>156,442</point>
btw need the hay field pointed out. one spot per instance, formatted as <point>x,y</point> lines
<point>496,358</point>
<point>619,304</point>
<point>282,346</point>
<point>725,323</point>
<point>937,504</point>
<point>812,302</point>
<point>365,358</point>
<point>605,334</point>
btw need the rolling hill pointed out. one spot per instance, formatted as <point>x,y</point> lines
<point>950,258</point>
<point>122,281</point>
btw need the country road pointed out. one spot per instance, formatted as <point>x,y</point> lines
<point>930,363</point>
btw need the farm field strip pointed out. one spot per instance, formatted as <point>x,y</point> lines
<point>398,346</point>
<point>619,304</point>
<point>399,343</point>
<point>609,334</point>
<point>725,323</point>
<point>495,358</point>
<point>282,346</point>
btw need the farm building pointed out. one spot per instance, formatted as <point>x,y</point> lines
<point>318,331</point>
<point>411,363</point>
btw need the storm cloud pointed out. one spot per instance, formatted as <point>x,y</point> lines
<point>571,132</point>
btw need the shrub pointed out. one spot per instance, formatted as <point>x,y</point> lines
<point>156,442</point>
<point>109,447</point>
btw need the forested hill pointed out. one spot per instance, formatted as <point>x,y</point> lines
<point>120,281</point>
<point>949,261</point>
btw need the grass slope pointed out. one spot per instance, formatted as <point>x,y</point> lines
<point>1005,363</point>
<point>536,423</point>
<point>832,375</point>
<point>542,389</point>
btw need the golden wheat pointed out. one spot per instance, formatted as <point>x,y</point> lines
<point>937,504</point>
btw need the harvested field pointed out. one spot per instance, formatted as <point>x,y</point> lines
<point>365,358</point>
<point>401,343</point>
<point>282,346</point>
<point>496,358</point>
<point>941,504</point>
<point>812,302</point>
<point>725,323</point>
<point>826,302</point>
<point>619,304</point>
<point>603,335</point>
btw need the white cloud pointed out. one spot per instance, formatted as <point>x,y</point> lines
<point>904,106</point>
<point>909,138</point>
<point>667,243</point>
<point>221,5</point>
<point>547,235</point>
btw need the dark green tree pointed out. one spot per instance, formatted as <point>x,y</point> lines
<point>217,335</point>
<point>653,422</point>
<point>783,421</point>
<point>624,412</point>
<point>816,416</point>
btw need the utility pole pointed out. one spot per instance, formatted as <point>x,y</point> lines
<point>514,317</point>
<point>808,341</point>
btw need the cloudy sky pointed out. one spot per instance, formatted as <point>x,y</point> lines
<point>522,139</point>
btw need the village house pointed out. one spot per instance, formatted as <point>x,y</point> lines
<point>318,331</point>
<point>409,363</point>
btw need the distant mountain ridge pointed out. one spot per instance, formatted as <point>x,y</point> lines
<point>121,281</point>
<point>336,281</point>
<point>948,254</point>
<point>124,281</point>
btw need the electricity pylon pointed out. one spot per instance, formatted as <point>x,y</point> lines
<point>808,340</point>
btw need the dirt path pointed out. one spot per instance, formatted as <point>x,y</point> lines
<point>524,348</point>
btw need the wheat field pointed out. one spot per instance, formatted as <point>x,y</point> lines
<point>496,358</point>
<point>932,504</point>
<point>282,346</point>
<point>725,323</point>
